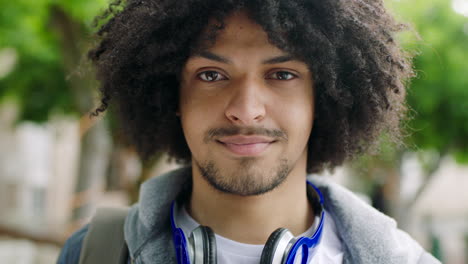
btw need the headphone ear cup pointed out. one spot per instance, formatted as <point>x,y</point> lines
<point>272,243</point>
<point>209,245</point>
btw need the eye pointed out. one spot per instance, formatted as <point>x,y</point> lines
<point>211,76</point>
<point>282,75</point>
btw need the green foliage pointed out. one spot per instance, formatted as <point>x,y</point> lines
<point>39,88</point>
<point>39,81</point>
<point>83,10</point>
<point>439,94</point>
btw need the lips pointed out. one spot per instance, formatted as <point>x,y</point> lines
<point>246,145</point>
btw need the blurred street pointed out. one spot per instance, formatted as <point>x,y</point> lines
<point>22,251</point>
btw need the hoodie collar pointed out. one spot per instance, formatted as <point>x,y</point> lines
<point>368,236</point>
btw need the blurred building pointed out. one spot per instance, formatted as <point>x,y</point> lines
<point>442,212</point>
<point>37,174</point>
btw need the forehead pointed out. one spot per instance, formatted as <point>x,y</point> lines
<point>239,33</point>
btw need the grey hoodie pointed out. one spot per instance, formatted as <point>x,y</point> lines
<point>368,236</point>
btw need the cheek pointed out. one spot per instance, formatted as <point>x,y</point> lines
<point>191,127</point>
<point>296,119</point>
<point>197,114</point>
<point>193,99</point>
<point>188,117</point>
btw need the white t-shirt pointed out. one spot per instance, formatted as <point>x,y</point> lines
<point>231,252</point>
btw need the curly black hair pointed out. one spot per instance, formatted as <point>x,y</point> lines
<point>359,69</point>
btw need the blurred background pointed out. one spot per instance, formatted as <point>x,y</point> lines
<point>57,165</point>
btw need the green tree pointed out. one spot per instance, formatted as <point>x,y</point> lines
<point>439,95</point>
<point>50,39</point>
<point>437,99</point>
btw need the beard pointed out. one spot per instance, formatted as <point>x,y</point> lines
<point>247,179</point>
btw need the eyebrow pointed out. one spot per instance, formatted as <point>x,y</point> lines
<point>212,56</point>
<point>279,59</point>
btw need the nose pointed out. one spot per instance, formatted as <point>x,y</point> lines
<point>246,105</point>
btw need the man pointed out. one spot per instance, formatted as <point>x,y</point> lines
<point>254,95</point>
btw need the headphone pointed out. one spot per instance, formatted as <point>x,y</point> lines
<point>280,248</point>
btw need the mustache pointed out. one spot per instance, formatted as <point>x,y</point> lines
<point>246,131</point>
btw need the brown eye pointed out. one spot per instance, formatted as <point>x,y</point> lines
<point>282,75</point>
<point>211,76</point>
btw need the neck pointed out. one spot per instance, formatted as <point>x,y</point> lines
<point>251,219</point>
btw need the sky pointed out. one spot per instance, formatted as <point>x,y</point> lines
<point>460,6</point>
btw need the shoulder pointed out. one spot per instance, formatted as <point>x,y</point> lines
<point>369,236</point>
<point>71,250</point>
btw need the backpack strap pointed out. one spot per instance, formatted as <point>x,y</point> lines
<point>104,243</point>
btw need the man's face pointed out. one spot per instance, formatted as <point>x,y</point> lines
<point>246,109</point>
